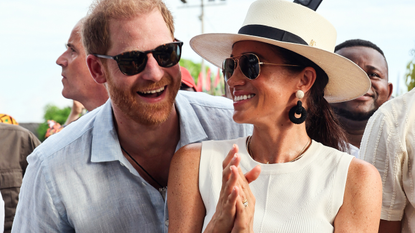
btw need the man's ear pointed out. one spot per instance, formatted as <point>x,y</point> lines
<point>390,89</point>
<point>307,79</point>
<point>96,69</point>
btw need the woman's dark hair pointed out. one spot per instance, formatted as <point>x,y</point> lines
<point>322,124</point>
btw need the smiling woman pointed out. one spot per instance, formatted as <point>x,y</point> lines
<point>288,176</point>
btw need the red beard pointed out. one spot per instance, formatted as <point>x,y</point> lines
<point>142,112</point>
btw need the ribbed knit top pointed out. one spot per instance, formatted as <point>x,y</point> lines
<point>300,196</point>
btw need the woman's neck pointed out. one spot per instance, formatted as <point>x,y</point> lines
<point>278,144</point>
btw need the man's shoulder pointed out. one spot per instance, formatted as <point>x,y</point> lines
<point>398,106</point>
<point>201,99</point>
<point>17,132</point>
<point>16,128</point>
<point>206,117</point>
<point>73,136</point>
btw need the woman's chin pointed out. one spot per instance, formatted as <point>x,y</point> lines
<point>240,118</point>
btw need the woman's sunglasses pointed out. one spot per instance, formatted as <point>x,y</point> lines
<point>249,64</point>
<point>133,62</point>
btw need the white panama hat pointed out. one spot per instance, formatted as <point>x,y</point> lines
<point>299,29</point>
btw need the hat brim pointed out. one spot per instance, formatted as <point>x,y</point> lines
<point>347,81</point>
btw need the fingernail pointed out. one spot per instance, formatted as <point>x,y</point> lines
<point>234,157</point>
<point>232,167</point>
<point>235,146</point>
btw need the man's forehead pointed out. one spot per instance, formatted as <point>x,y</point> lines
<point>141,32</point>
<point>75,35</point>
<point>359,51</point>
<point>362,52</point>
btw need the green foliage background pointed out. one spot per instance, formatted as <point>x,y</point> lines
<point>193,68</point>
<point>52,113</point>
<point>410,73</point>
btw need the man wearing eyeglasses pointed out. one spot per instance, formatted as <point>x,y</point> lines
<point>108,171</point>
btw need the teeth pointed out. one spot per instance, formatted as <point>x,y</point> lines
<point>154,91</point>
<point>242,97</point>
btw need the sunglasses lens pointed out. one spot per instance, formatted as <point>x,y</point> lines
<point>249,65</point>
<point>168,55</point>
<point>228,67</point>
<point>131,63</point>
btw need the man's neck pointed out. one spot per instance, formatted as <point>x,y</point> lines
<point>151,146</point>
<point>94,100</point>
<point>354,130</point>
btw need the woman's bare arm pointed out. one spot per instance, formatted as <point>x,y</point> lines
<point>362,203</point>
<point>186,208</point>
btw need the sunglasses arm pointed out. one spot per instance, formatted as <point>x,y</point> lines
<point>274,64</point>
<point>104,56</point>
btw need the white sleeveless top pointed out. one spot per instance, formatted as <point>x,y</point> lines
<point>300,196</point>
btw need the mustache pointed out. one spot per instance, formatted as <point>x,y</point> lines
<point>149,85</point>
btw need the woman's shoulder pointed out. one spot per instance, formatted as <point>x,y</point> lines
<point>363,197</point>
<point>189,151</point>
<point>364,183</point>
<point>331,153</point>
<point>363,173</point>
<point>185,162</point>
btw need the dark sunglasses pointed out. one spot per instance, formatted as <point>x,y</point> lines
<point>249,64</point>
<point>133,62</point>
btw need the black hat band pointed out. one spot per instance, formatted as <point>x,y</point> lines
<point>271,33</point>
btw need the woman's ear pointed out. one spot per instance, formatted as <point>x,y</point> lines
<point>96,69</point>
<point>308,77</point>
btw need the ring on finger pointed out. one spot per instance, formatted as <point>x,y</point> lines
<point>245,203</point>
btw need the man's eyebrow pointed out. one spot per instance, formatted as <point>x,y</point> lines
<point>69,45</point>
<point>373,68</point>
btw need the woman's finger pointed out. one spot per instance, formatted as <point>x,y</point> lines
<point>230,155</point>
<point>245,209</point>
<point>253,174</point>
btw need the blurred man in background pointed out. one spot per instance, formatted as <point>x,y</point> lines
<point>77,81</point>
<point>353,115</point>
<point>16,143</point>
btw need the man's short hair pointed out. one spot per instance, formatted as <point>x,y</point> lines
<point>360,42</point>
<point>95,31</point>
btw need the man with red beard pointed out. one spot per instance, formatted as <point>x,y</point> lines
<point>353,115</point>
<point>108,171</point>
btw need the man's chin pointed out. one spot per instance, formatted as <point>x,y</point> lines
<point>152,116</point>
<point>67,95</point>
<point>353,115</point>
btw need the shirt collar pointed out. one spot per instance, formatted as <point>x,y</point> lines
<point>105,145</point>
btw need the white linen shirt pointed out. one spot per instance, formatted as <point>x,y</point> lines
<point>389,144</point>
<point>79,181</point>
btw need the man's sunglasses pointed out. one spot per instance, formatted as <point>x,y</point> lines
<point>133,62</point>
<point>249,64</point>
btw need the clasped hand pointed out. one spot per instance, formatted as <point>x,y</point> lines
<point>236,204</point>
